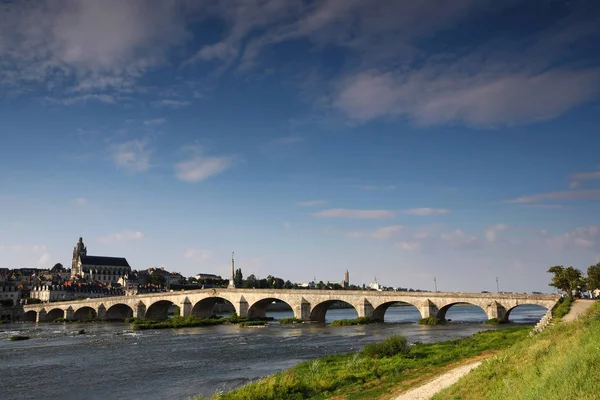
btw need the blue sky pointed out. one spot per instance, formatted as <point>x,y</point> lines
<point>398,140</point>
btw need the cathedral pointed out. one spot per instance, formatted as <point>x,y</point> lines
<point>97,269</point>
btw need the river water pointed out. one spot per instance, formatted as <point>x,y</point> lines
<point>112,361</point>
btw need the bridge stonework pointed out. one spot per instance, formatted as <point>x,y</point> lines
<point>308,305</point>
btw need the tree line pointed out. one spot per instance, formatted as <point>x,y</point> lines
<point>572,280</point>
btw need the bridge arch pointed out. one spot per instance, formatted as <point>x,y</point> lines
<point>441,314</point>
<point>85,313</point>
<point>55,313</point>
<point>159,310</point>
<point>259,308</point>
<point>380,310</point>
<point>205,308</point>
<point>319,311</point>
<point>538,307</point>
<point>119,312</point>
<point>30,316</point>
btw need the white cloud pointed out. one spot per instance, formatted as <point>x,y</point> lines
<point>491,231</point>
<point>459,239</point>
<point>485,98</point>
<point>580,237</point>
<point>564,195</point>
<point>287,225</point>
<point>80,201</point>
<point>98,46</point>
<point>201,167</point>
<point>426,211</point>
<point>355,214</point>
<point>409,246</point>
<point>169,103</point>
<point>311,203</point>
<point>44,259</point>
<point>132,156</point>
<point>123,236</point>
<point>578,179</point>
<point>198,254</point>
<point>39,253</point>
<point>383,232</point>
<point>155,121</point>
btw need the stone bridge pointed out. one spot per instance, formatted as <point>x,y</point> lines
<point>308,305</point>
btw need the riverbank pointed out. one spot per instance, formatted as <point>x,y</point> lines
<point>368,374</point>
<point>559,363</point>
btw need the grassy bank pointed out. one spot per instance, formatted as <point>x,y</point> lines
<point>374,372</point>
<point>351,322</point>
<point>562,308</point>
<point>563,362</point>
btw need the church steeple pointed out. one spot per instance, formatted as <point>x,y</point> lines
<point>78,250</point>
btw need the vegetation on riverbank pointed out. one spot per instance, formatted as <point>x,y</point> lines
<point>17,338</point>
<point>253,324</point>
<point>559,363</point>
<point>563,307</point>
<point>183,322</point>
<point>495,321</point>
<point>292,320</point>
<point>375,371</point>
<point>350,322</point>
<point>431,321</point>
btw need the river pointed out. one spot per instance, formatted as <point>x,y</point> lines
<point>112,361</point>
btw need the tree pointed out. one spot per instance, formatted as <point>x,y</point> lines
<point>157,279</point>
<point>566,279</point>
<point>288,285</point>
<point>58,267</point>
<point>320,285</point>
<point>238,278</point>
<point>593,279</point>
<point>250,282</point>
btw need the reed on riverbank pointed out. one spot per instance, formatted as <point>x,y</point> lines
<point>559,363</point>
<point>182,322</point>
<point>371,373</point>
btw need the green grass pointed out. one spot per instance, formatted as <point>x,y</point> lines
<point>562,362</point>
<point>431,321</point>
<point>563,307</point>
<point>370,374</point>
<point>293,320</point>
<point>495,321</point>
<point>350,322</point>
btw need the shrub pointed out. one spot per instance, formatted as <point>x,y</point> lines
<point>431,321</point>
<point>292,320</point>
<point>348,322</point>
<point>495,321</point>
<point>390,347</point>
<point>252,323</point>
<point>16,338</point>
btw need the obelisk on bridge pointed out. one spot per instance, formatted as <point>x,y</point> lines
<point>231,279</point>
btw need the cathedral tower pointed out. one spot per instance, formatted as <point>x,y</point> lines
<point>78,250</point>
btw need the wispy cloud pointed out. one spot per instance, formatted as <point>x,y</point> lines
<point>155,121</point>
<point>580,237</point>
<point>564,195</point>
<point>123,236</point>
<point>409,246</point>
<point>80,201</point>
<point>311,203</point>
<point>287,225</point>
<point>426,211</point>
<point>355,214</point>
<point>491,232</point>
<point>578,179</point>
<point>169,103</point>
<point>197,254</point>
<point>200,167</point>
<point>383,232</point>
<point>132,156</point>
<point>460,240</point>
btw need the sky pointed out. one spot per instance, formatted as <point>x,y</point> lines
<point>400,141</point>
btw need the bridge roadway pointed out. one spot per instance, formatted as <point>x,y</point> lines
<point>308,305</point>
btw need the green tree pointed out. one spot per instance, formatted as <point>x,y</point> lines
<point>250,282</point>
<point>320,285</point>
<point>593,279</point>
<point>288,285</point>
<point>238,278</point>
<point>157,279</point>
<point>566,279</point>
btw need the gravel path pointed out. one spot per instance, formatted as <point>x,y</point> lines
<point>427,390</point>
<point>577,308</point>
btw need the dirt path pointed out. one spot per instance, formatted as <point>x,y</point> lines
<point>577,308</point>
<point>427,390</point>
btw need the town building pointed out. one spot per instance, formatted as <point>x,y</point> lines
<point>10,292</point>
<point>95,268</point>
